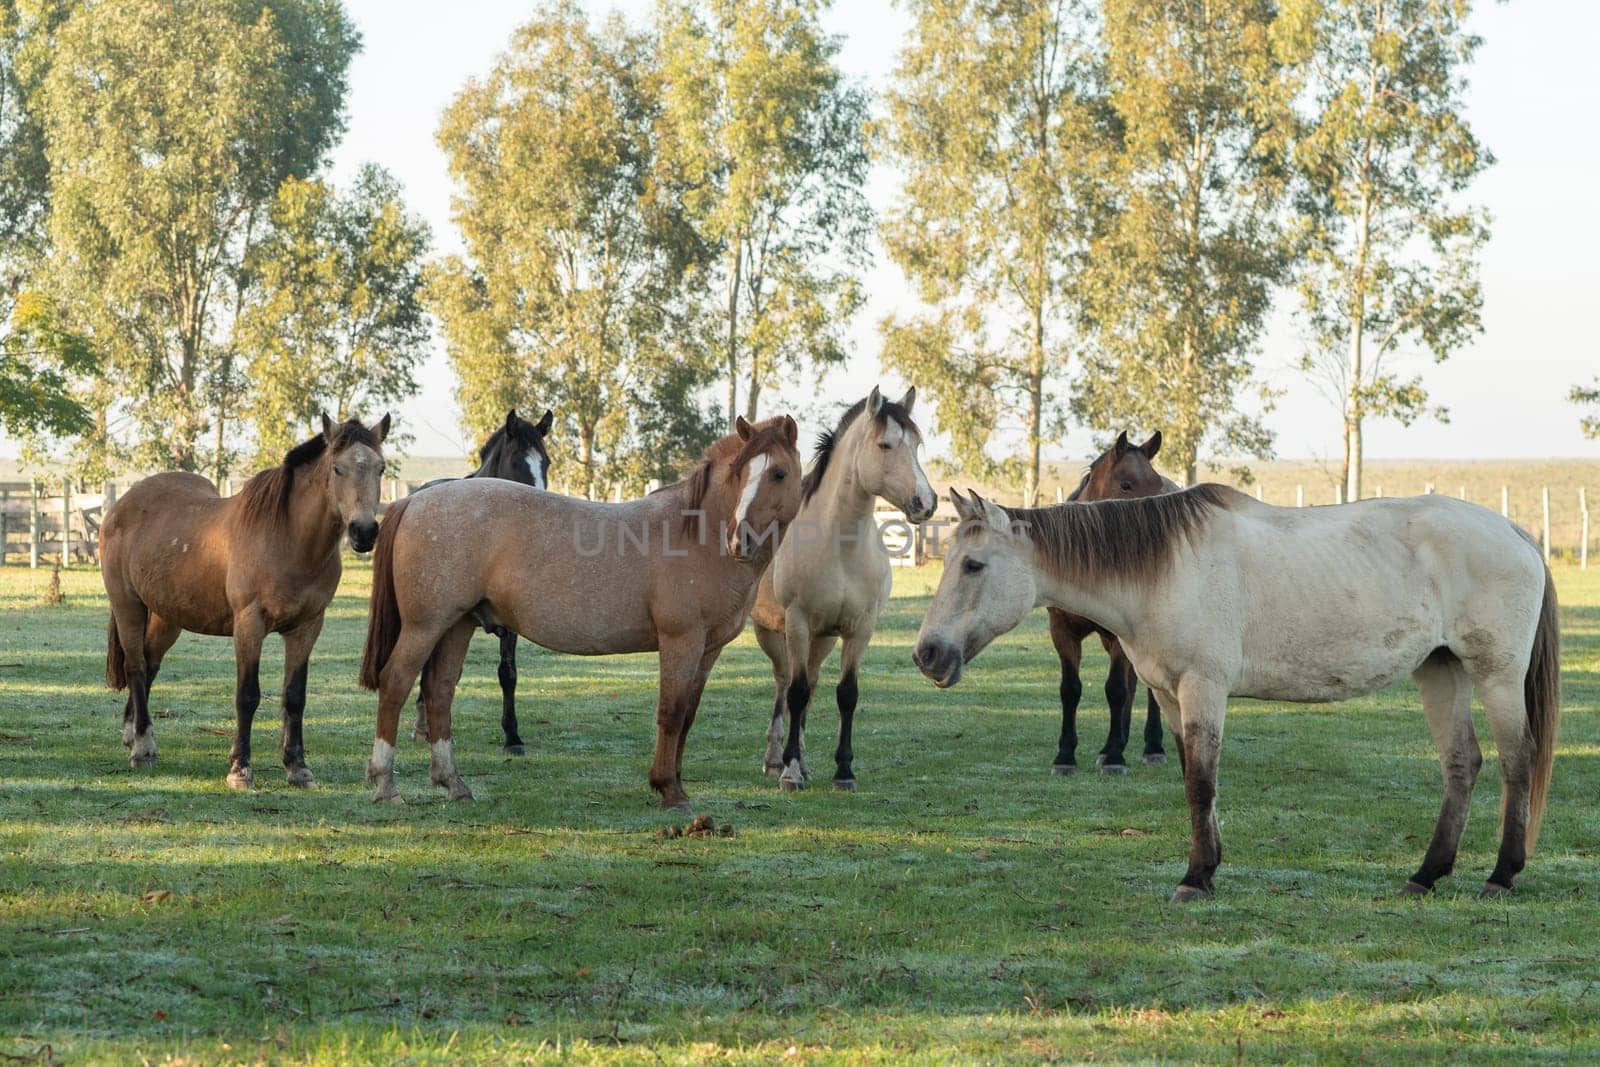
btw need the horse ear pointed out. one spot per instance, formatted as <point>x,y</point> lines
<point>909,399</point>
<point>992,513</point>
<point>791,431</point>
<point>874,401</point>
<point>511,421</point>
<point>382,429</point>
<point>742,428</point>
<point>1121,447</point>
<point>548,421</point>
<point>327,426</point>
<point>963,509</point>
<point>1152,446</point>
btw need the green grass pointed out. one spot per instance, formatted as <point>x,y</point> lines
<point>963,905</point>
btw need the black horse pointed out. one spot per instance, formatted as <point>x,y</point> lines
<point>516,453</point>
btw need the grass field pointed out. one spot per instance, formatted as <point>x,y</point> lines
<point>963,905</point>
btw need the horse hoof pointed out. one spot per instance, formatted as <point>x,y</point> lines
<point>459,791</point>
<point>1491,890</point>
<point>1113,768</point>
<point>1064,768</point>
<point>772,768</point>
<point>1415,889</point>
<point>388,796</point>
<point>302,777</point>
<point>127,735</point>
<point>791,784</point>
<point>514,750</point>
<point>419,734</point>
<point>1155,757</point>
<point>142,759</point>
<point>1188,894</point>
<point>848,785</point>
<point>678,805</point>
<point>242,779</point>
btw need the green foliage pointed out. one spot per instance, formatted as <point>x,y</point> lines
<point>333,318</point>
<point>39,360</point>
<point>570,294</point>
<point>24,170</point>
<point>1390,257</point>
<point>1588,396</point>
<point>767,143</point>
<point>170,128</point>
<point>999,121</point>
<point>1182,283</point>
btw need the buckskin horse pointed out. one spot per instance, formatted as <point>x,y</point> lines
<point>515,452</point>
<point>576,576</point>
<point>1215,594</point>
<point>176,556</point>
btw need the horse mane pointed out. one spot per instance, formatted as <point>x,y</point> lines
<point>828,439</point>
<point>1133,539</point>
<point>264,500</point>
<point>1083,483</point>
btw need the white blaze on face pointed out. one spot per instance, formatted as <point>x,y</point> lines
<point>535,468</point>
<point>752,485</point>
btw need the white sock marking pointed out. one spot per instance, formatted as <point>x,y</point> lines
<point>382,755</point>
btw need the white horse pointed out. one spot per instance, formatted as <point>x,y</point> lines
<point>1214,594</point>
<point>830,574</point>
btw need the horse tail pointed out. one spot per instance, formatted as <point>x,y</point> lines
<point>116,660</point>
<point>383,613</point>
<point>1541,690</point>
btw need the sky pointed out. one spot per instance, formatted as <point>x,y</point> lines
<point>1534,100</point>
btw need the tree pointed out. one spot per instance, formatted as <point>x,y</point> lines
<point>998,119</point>
<point>1391,260</point>
<point>38,362</point>
<point>333,318</point>
<point>1183,281</point>
<point>768,142</point>
<point>1588,396</point>
<point>568,295</point>
<point>169,129</point>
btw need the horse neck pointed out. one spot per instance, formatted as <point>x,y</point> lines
<point>841,499</point>
<point>1109,601</point>
<point>313,520</point>
<point>487,467</point>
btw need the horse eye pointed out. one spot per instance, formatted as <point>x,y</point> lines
<point>779,475</point>
<point>338,470</point>
<point>1127,487</point>
<point>972,566</point>
<point>884,446</point>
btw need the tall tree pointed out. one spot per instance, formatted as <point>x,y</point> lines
<point>1589,397</point>
<point>169,128</point>
<point>1183,282</point>
<point>769,142</point>
<point>1391,258</point>
<point>569,289</point>
<point>333,318</point>
<point>999,122</point>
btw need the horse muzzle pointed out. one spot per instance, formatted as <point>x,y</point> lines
<point>920,508</point>
<point>939,661</point>
<point>363,535</point>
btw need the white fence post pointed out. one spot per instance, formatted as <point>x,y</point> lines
<point>1546,534</point>
<point>1061,495</point>
<point>1379,493</point>
<point>1583,547</point>
<point>66,521</point>
<point>1258,490</point>
<point>1505,502</point>
<point>1299,496</point>
<point>33,523</point>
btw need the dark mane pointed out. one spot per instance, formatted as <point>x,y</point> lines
<point>829,438</point>
<point>1130,539</point>
<point>265,497</point>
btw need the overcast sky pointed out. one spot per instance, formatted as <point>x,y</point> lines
<point>1534,100</point>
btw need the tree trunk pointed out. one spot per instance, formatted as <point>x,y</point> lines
<point>586,458</point>
<point>733,330</point>
<point>1355,402</point>
<point>1030,486</point>
<point>752,396</point>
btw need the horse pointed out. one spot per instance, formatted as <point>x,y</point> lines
<point>1215,594</point>
<point>515,452</point>
<point>176,556</point>
<point>830,576</point>
<point>1120,472</point>
<point>576,576</point>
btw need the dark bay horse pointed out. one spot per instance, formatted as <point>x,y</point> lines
<point>675,573</point>
<point>176,556</point>
<point>1120,472</point>
<point>515,452</point>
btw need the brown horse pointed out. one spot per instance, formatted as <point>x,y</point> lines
<point>515,452</point>
<point>580,577</point>
<point>176,556</point>
<point>1120,472</point>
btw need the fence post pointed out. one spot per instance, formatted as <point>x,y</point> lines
<point>1427,489</point>
<point>1299,496</point>
<point>33,523</point>
<point>66,520</point>
<point>5,533</point>
<point>1583,548</point>
<point>1061,495</point>
<point>1461,492</point>
<point>1258,490</point>
<point>1379,492</point>
<point>1546,535</point>
<point>1505,502</point>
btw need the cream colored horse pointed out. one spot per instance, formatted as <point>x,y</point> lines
<point>830,576</point>
<point>1214,595</point>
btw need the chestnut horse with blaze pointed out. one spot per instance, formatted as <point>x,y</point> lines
<point>675,572</point>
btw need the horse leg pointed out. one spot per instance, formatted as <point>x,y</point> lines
<point>1121,686</point>
<point>508,693</point>
<point>692,701</point>
<point>439,678</point>
<point>394,685</point>
<point>1069,647</point>
<point>855,647</point>
<point>773,644</point>
<point>249,630</point>
<point>1201,706</point>
<point>1446,693</point>
<point>420,731</point>
<point>159,637</point>
<point>1505,706</point>
<point>820,647</point>
<point>797,696</point>
<point>297,645</point>
<point>1153,752</point>
<point>681,656</point>
<point>132,620</point>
